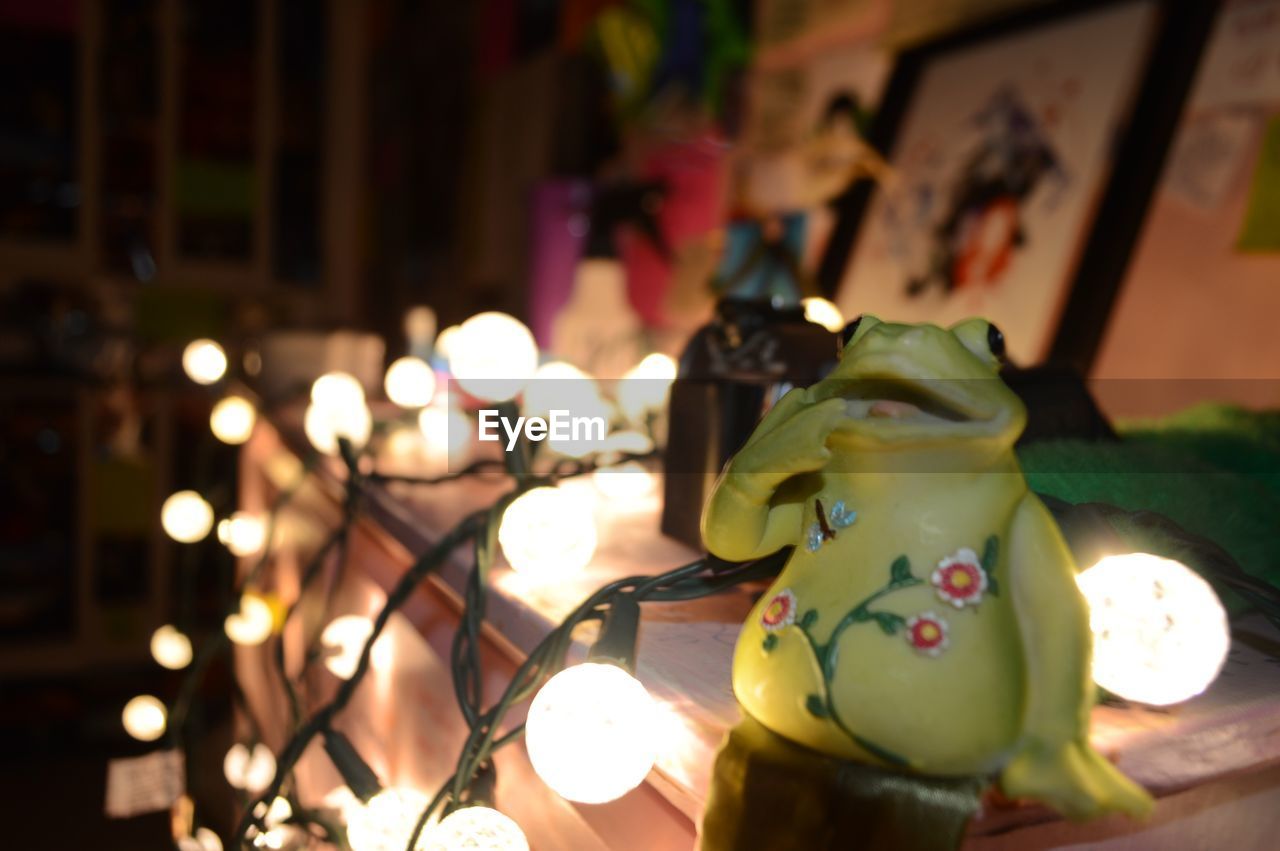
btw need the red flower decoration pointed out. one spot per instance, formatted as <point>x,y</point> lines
<point>960,579</point>
<point>927,633</point>
<point>780,612</point>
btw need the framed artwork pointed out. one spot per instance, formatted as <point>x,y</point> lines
<point>1021,158</point>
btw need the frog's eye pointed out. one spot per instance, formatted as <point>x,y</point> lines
<point>995,341</point>
<point>982,338</point>
<point>856,330</point>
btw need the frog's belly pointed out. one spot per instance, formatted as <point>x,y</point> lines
<point>956,713</point>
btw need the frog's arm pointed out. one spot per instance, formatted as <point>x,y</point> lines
<point>1054,761</point>
<point>746,516</point>
<point>742,522</point>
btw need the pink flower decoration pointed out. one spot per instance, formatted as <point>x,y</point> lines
<point>959,579</point>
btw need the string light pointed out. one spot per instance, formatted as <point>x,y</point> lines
<point>479,828</point>
<point>410,382</point>
<point>242,533</point>
<point>644,387</point>
<point>545,535</point>
<point>249,770</point>
<point>252,624</point>
<point>232,420</point>
<point>145,718</point>
<point>624,482</point>
<point>337,390</point>
<point>590,733</point>
<point>444,340</point>
<point>387,821</point>
<point>204,361</point>
<point>1160,634</point>
<point>325,422</point>
<point>448,433</point>
<point>170,648</point>
<point>344,639</point>
<point>822,312</point>
<point>186,517</point>
<point>203,839</point>
<point>557,385</point>
<point>492,356</point>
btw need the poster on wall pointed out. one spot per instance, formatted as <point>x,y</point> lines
<point>1002,152</point>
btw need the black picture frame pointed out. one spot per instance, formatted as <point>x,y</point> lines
<point>1181,30</point>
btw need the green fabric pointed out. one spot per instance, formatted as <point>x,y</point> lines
<point>769,794</point>
<point>1212,469</point>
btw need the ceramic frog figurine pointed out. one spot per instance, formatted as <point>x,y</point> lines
<point>928,620</point>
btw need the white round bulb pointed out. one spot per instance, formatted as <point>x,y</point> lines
<point>626,481</point>
<point>170,648</point>
<point>232,420</point>
<point>591,733</point>
<point>249,770</point>
<point>410,382</point>
<point>242,533</point>
<point>387,821</point>
<point>448,434</point>
<point>645,386</point>
<point>207,839</point>
<point>547,534</point>
<point>444,340</point>
<point>145,718</point>
<point>251,625</point>
<point>822,312</point>
<point>337,389</point>
<point>343,641</point>
<point>1160,634</point>
<point>478,828</point>
<point>204,361</point>
<point>324,423</point>
<point>186,517</point>
<point>493,356</point>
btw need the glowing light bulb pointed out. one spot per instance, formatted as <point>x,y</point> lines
<point>591,733</point>
<point>324,423</point>
<point>493,356</point>
<point>209,841</point>
<point>560,386</point>
<point>170,648</point>
<point>242,533</point>
<point>251,625</point>
<point>410,383</point>
<point>337,390</point>
<point>443,341</point>
<point>145,718</point>
<point>547,534</point>
<point>344,638</point>
<point>644,387</point>
<point>249,770</point>
<point>822,312</point>
<point>387,821</point>
<point>1160,634</point>
<point>626,481</point>
<point>448,433</point>
<point>203,839</point>
<point>480,828</point>
<point>204,361</point>
<point>186,517</point>
<point>232,420</point>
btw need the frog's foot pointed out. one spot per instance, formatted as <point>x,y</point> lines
<point>1075,780</point>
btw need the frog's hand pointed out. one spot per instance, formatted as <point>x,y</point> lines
<point>1055,762</point>
<point>742,519</point>
<point>1075,780</point>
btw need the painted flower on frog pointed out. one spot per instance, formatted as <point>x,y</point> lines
<point>960,579</point>
<point>927,633</point>
<point>780,612</point>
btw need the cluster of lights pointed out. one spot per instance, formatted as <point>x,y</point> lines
<point>343,640</point>
<point>249,769</point>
